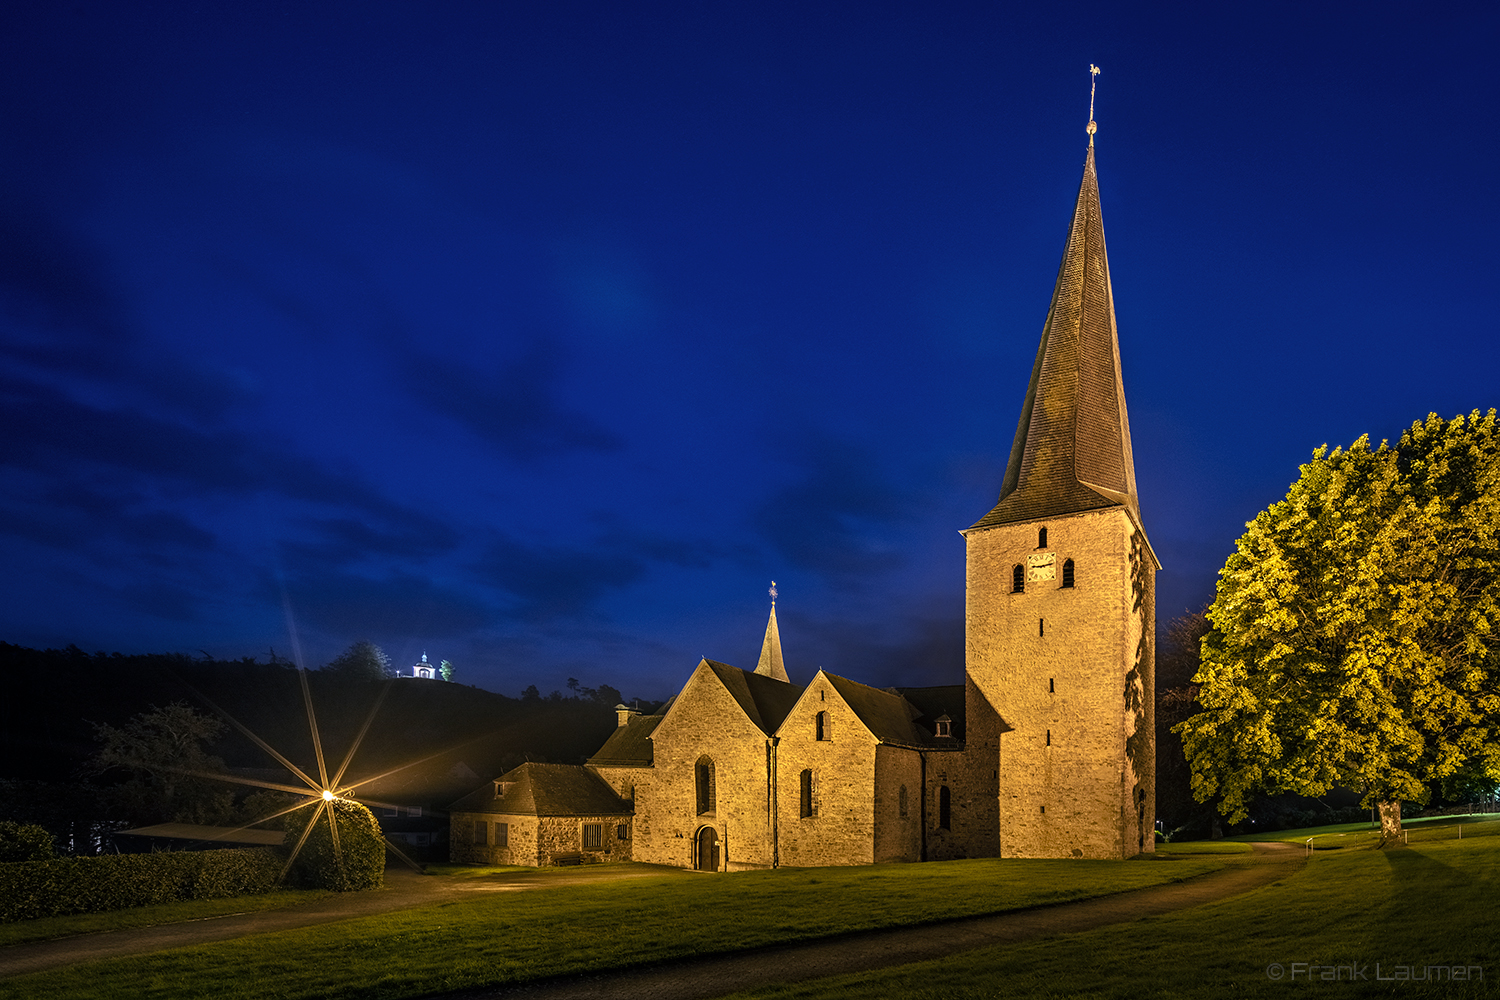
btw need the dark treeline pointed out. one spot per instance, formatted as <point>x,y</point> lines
<point>55,699</point>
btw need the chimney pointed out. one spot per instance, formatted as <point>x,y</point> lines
<point>624,713</point>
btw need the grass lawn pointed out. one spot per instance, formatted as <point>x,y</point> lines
<point>1190,847</point>
<point>48,928</point>
<point>1429,904</point>
<point>485,938</point>
<point>1338,836</point>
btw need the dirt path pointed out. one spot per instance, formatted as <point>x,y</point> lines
<point>403,890</point>
<point>716,976</point>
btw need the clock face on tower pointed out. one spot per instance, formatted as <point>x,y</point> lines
<point>1041,567</point>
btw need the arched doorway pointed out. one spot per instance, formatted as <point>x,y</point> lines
<point>708,850</point>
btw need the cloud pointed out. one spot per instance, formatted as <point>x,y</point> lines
<point>833,521</point>
<point>58,311</point>
<point>553,581</point>
<point>398,605</point>
<point>514,408</point>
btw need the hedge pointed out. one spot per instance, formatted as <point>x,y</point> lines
<point>31,889</point>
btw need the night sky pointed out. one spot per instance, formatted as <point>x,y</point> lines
<point>542,337</point>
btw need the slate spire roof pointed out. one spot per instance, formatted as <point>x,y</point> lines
<point>770,664</point>
<point>1072,447</point>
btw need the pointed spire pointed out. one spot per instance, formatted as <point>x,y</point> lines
<point>770,664</point>
<point>1071,451</point>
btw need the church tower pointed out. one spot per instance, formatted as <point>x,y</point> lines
<point>1060,613</point>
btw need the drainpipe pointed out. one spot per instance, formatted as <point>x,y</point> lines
<point>923,758</point>
<point>771,801</point>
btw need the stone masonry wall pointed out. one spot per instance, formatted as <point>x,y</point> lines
<point>520,848</point>
<point>1061,665</point>
<point>705,720</point>
<point>898,837</point>
<point>841,830</point>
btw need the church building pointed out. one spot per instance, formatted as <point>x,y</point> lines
<point>1045,750</point>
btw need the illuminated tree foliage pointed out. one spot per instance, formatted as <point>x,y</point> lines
<point>1353,637</point>
<point>363,660</point>
<point>352,861</point>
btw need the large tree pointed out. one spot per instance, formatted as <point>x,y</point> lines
<point>1354,635</point>
<point>363,660</point>
<point>170,771</point>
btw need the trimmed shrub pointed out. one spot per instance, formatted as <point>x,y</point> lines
<point>359,862</point>
<point>25,842</point>
<point>55,888</point>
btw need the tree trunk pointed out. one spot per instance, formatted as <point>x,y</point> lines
<point>1390,823</point>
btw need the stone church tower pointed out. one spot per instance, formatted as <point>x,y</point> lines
<point>1060,598</point>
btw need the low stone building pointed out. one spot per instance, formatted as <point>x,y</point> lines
<point>540,815</point>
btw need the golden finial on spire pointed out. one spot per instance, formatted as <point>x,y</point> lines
<point>1094,72</point>
<point>772,592</point>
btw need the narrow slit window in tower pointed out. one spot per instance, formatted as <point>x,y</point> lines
<point>1041,627</point>
<point>1051,685</point>
<point>1049,737</point>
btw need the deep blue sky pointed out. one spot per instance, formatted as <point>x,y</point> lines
<point>542,337</point>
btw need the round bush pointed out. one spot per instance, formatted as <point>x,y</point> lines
<point>25,842</point>
<point>359,862</point>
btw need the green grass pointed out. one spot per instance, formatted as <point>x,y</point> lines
<point>482,939</point>
<point>1425,905</point>
<point>1343,835</point>
<point>472,871</point>
<point>49,928</point>
<point>1193,847</point>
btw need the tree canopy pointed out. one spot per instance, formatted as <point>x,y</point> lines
<point>363,660</point>
<point>1353,636</point>
<point>171,773</point>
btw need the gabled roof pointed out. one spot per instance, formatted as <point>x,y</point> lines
<point>890,717</point>
<point>545,790</point>
<point>629,745</point>
<point>765,700</point>
<point>1071,451</point>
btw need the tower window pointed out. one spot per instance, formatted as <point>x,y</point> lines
<point>1041,538</point>
<point>807,794</point>
<point>1018,579</point>
<point>1067,573</point>
<point>1041,627</point>
<point>1051,685</point>
<point>1049,737</point>
<point>945,808</point>
<point>820,726</point>
<point>703,778</point>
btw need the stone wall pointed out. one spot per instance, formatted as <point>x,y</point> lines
<point>705,720</point>
<point>898,835</point>
<point>841,830</point>
<point>1069,671</point>
<point>535,842</point>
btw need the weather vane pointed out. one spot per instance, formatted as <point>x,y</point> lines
<point>1093,80</point>
<point>772,592</point>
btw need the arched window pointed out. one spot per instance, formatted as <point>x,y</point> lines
<point>1067,573</point>
<point>703,778</point>
<point>807,794</point>
<point>1041,538</point>
<point>901,801</point>
<point>820,727</point>
<point>945,809</point>
<point>1018,579</point>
